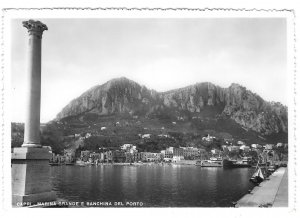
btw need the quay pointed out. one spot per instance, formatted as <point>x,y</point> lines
<point>272,192</point>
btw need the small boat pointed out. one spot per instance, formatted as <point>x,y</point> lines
<point>258,176</point>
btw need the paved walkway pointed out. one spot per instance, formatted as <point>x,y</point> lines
<point>281,199</point>
<point>270,193</point>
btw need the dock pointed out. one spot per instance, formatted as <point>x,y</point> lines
<point>272,192</point>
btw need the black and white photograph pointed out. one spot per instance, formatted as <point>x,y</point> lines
<point>151,111</point>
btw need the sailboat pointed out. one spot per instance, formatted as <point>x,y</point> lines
<point>258,176</point>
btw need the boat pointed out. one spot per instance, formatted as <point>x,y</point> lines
<point>272,168</point>
<point>212,162</point>
<point>258,176</point>
<point>227,163</point>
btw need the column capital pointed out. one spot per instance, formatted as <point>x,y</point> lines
<point>35,27</point>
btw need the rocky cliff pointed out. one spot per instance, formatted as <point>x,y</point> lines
<point>200,100</point>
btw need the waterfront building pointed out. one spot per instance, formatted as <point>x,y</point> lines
<point>177,154</point>
<point>84,155</point>
<point>144,156</point>
<point>94,157</point>
<point>137,156</point>
<point>118,156</point>
<point>128,157</point>
<point>153,157</point>
<point>102,157</point>
<point>203,154</point>
<point>54,158</point>
<point>69,155</point>
<point>61,159</point>
<point>150,157</point>
<point>108,156</point>
<point>69,159</point>
<point>169,153</point>
<point>190,153</point>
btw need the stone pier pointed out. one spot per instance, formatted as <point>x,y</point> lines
<point>30,163</point>
<point>269,193</point>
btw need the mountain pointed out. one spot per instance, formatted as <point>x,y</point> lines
<point>203,105</point>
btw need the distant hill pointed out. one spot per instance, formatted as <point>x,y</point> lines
<point>195,103</point>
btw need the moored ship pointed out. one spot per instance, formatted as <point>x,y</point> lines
<point>212,162</point>
<point>244,163</point>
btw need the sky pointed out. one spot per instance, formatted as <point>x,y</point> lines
<point>162,54</point>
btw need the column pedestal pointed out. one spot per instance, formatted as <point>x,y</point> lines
<point>31,176</point>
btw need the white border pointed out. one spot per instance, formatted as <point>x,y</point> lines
<point>159,13</point>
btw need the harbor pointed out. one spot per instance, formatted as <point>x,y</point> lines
<point>154,185</point>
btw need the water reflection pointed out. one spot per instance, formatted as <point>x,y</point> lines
<point>169,185</point>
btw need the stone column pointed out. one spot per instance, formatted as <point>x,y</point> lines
<point>30,163</point>
<point>33,92</point>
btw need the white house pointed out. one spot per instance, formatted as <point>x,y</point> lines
<point>241,143</point>
<point>88,135</point>
<point>208,138</point>
<point>245,148</point>
<point>146,136</point>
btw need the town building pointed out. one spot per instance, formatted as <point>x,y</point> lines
<point>256,146</point>
<point>128,148</point>
<point>137,156</point>
<point>146,136</point>
<point>208,138</point>
<point>108,156</point>
<point>268,147</point>
<point>167,155</point>
<point>95,157</point>
<point>119,156</point>
<point>245,148</point>
<point>240,143</point>
<point>144,156</point>
<point>190,153</point>
<point>177,154</point>
<point>233,148</point>
<point>84,155</point>
<point>128,157</point>
<point>69,155</point>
